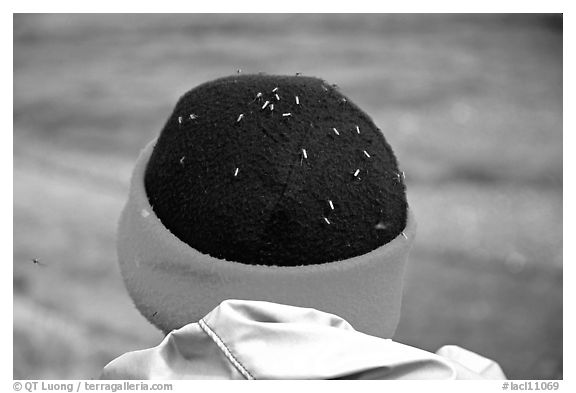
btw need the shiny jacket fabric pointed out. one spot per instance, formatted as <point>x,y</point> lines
<point>243,339</point>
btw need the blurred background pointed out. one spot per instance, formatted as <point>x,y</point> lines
<point>472,105</point>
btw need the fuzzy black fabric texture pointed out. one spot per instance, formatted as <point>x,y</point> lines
<point>275,170</point>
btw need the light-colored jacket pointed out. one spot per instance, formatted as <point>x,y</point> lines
<point>243,339</point>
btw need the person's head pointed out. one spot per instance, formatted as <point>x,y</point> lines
<point>274,188</point>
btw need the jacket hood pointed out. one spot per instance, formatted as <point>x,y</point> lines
<point>260,340</point>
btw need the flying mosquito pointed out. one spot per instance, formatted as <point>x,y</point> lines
<point>36,261</point>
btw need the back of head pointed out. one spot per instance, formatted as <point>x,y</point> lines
<point>272,188</point>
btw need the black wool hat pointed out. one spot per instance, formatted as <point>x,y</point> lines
<point>275,170</point>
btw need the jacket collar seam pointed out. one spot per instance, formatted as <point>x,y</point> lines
<point>225,350</point>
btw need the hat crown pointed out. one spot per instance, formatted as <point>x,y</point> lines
<point>275,170</point>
